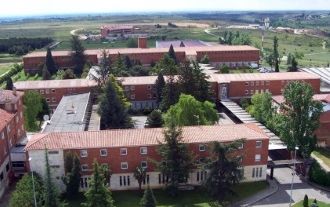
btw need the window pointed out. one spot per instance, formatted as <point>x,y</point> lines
<point>126,88</point>
<point>257,83</point>
<point>260,172</point>
<point>251,92</point>
<point>53,152</point>
<point>257,157</point>
<point>84,167</point>
<point>258,144</point>
<point>149,87</point>
<point>252,83</point>
<point>123,151</point>
<point>83,153</point>
<point>246,92</point>
<point>47,91</point>
<point>53,99</point>
<point>262,83</point>
<point>143,150</point>
<point>241,146</point>
<point>55,166</point>
<point>103,152</point>
<point>53,90</point>
<point>202,147</point>
<point>124,165</point>
<point>246,83</point>
<point>267,90</point>
<point>42,91</point>
<point>47,99</point>
<point>257,91</point>
<point>144,164</point>
<point>253,172</point>
<point>149,95</point>
<point>132,88</point>
<point>7,167</point>
<point>133,96</point>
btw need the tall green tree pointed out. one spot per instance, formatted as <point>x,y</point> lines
<point>128,62</point>
<point>73,174</point>
<point>9,84</point>
<point>176,160</point>
<point>23,195</point>
<point>170,94</point>
<point>224,170</point>
<point>45,73</point>
<point>188,111</point>
<point>276,55</point>
<point>261,107</point>
<point>32,107</point>
<point>301,118</point>
<point>171,54</point>
<point>51,194</point>
<point>140,174</point>
<point>78,55</point>
<point>159,86</point>
<point>44,111</point>
<point>293,65</point>
<point>98,194</point>
<point>105,68</point>
<point>154,119</point>
<point>113,110</point>
<point>166,65</point>
<point>50,63</point>
<point>148,199</point>
<point>119,67</point>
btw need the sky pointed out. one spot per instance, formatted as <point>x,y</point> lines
<point>11,8</point>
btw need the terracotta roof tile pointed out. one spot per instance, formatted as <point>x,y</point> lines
<point>5,117</point>
<point>141,137</point>
<point>42,84</point>
<point>7,96</point>
<point>318,97</point>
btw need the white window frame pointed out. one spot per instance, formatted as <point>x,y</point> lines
<point>84,167</point>
<point>122,150</point>
<point>102,154</point>
<point>132,96</point>
<point>143,150</point>
<point>83,153</point>
<point>202,147</point>
<point>257,158</point>
<point>122,164</point>
<point>259,144</point>
<point>132,88</point>
<point>145,163</point>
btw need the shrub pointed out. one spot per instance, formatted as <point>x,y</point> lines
<point>13,71</point>
<point>318,175</point>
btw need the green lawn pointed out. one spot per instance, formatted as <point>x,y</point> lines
<point>320,204</point>
<point>323,154</point>
<point>197,198</point>
<point>8,58</point>
<point>4,68</point>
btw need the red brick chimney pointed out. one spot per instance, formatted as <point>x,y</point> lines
<point>142,42</point>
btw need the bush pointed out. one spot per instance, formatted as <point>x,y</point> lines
<point>13,71</point>
<point>318,175</point>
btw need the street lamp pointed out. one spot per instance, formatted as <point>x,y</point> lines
<point>34,192</point>
<point>293,174</point>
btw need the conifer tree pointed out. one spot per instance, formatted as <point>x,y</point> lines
<point>148,199</point>
<point>172,55</point>
<point>98,194</point>
<point>276,55</point>
<point>154,119</point>
<point>9,84</point>
<point>159,86</point>
<point>72,177</point>
<point>78,55</point>
<point>50,63</point>
<point>51,194</point>
<point>45,73</point>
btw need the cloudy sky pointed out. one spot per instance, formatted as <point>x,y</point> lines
<point>43,7</point>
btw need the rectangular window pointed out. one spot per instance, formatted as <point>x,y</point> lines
<point>47,99</point>
<point>251,92</point>
<point>149,87</point>
<point>103,152</point>
<point>253,172</point>
<point>246,92</point>
<point>260,172</point>
<point>246,83</point>
<point>258,144</point>
<point>143,150</point>
<point>1,176</point>
<point>148,179</point>
<point>267,90</point>
<point>7,167</point>
<point>47,91</point>
<point>128,181</point>
<point>257,83</point>
<point>257,172</point>
<point>123,151</point>
<point>55,166</point>
<point>144,164</point>
<point>120,181</point>
<point>257,157</point>
<point>262,83</point>
<point>83,153</point>
<point>252,83</point>
<point>197,177</point>
<point>84,167</point>
<point>53,152</point>
<point>159,179</point>
<point>42,91</point>
<point>124,165</point>
<point>126,88</point>
<point>132,88</point>
<point>53,90</point>
<point>202,147</point>
<point>53,99</point>
<point>133,96</point>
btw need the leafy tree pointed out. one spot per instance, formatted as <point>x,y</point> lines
<point>72,177</point>
<point>50,63</point>
<point>51,194</point>
<point>119,68</point>
<point>289,59</point>
<point>176,161</point>
<point>9,84</point>
<point>138,70</point>
<point>276,55</point>
<point>32,107</point>
<point>270,60</point>
<point>301,118</point>
<point>132,43</point>
<point>188,111</point>
<point>98,194</point>
<point>68,74</point>
<point>261,107</point>
<point>105,68</point>
<point>127,62</point>
<point>293,66</point>
<point>205,59</point>
<point>23,195</point>
<point>140,174</point>
<point>224,170</point>
<point>45,73</point>
<point>305,203</point>
<point>154,119</point>
<point>224,69</point>
<point>170,94</point>
<point>45,110</point>
<point>166,65</point>
<point>148,199</point>
<point>78,55</point>
<point>171,54</point>
<point>159,86</point>
<point>112,108</point>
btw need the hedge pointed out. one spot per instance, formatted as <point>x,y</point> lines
<point>319,175</point>
<point>13,71</point>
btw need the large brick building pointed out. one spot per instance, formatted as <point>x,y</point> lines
<point>11,131</point>
<point>233,56</point>
<point>124,150</point>
<point>323,132</point>
<point>54,90</point>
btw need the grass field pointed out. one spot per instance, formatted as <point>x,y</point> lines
<point>197,198</point>
<point>320,204</point>
<point>4,67</point>
<point>324,155</point>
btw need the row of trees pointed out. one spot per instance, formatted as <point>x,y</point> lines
<point>21,46</point>
<point>237,38</point>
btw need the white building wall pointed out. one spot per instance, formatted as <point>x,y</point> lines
<point>5,181</point>
<point>56,162</point>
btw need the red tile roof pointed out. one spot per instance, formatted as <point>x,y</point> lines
<point>141,137</point>
<point>7,96</point>
<point>42,84</point>
<point>317,97</point>
<point>5,117</point>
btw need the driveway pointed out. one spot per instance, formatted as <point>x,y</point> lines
<point>300,188</point>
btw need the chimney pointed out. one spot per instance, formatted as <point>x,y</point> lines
<point>14,91</point>
<point>142,42</point>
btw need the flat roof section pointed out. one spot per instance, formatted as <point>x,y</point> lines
<point>70,115</point>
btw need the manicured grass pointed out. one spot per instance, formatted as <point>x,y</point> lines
<point>197,197</point>
<point>8,58</point>
<point>21,76</point>
<point>320,204</point>
<point>4,68</point>
<point>323,154</point>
